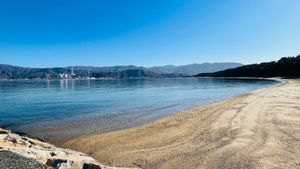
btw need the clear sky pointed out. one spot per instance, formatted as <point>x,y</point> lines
<point>47,33</point>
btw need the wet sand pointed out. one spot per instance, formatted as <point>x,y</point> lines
<point>255,130</point>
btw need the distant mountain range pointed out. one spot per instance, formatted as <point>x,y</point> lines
<point>131,71</point>
<point>193,69</point>
<point>285,67</point>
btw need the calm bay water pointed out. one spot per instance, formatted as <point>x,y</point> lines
<point>61,109</point>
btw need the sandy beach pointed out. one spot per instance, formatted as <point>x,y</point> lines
<point>255,130</point>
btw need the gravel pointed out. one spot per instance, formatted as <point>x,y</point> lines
<point>10,160</point>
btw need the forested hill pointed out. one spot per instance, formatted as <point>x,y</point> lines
<point>285,67</point>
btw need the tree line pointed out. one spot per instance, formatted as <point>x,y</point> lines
<point>285,67</point>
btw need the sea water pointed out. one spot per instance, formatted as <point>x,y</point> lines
<point>60,109</point>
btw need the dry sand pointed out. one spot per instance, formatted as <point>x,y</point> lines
<point>256,130</point>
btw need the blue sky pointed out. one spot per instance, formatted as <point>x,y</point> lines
<point>51,33</point>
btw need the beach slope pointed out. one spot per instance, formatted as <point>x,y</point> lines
<point>255,130</point>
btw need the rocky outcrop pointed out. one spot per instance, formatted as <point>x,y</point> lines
<point>45,153</point>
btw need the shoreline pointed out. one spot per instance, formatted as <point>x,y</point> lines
<point>218,130</point>
<point>59,131</point>
<point>60,141</point>
<point>22,151</point>
<point>105,130</point>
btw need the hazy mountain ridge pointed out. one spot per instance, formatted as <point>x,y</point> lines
<point>130,71</point>
<point>106,69</point>
<point>284,67</point>
<point>193,69</point>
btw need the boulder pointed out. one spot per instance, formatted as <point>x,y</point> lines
<point>90,166</point>
<point>55,162</point>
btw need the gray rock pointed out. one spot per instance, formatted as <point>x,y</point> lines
<point>55,162</point>
<point>11,139</point>
<point>90,166</point>
<point>10,160</point>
